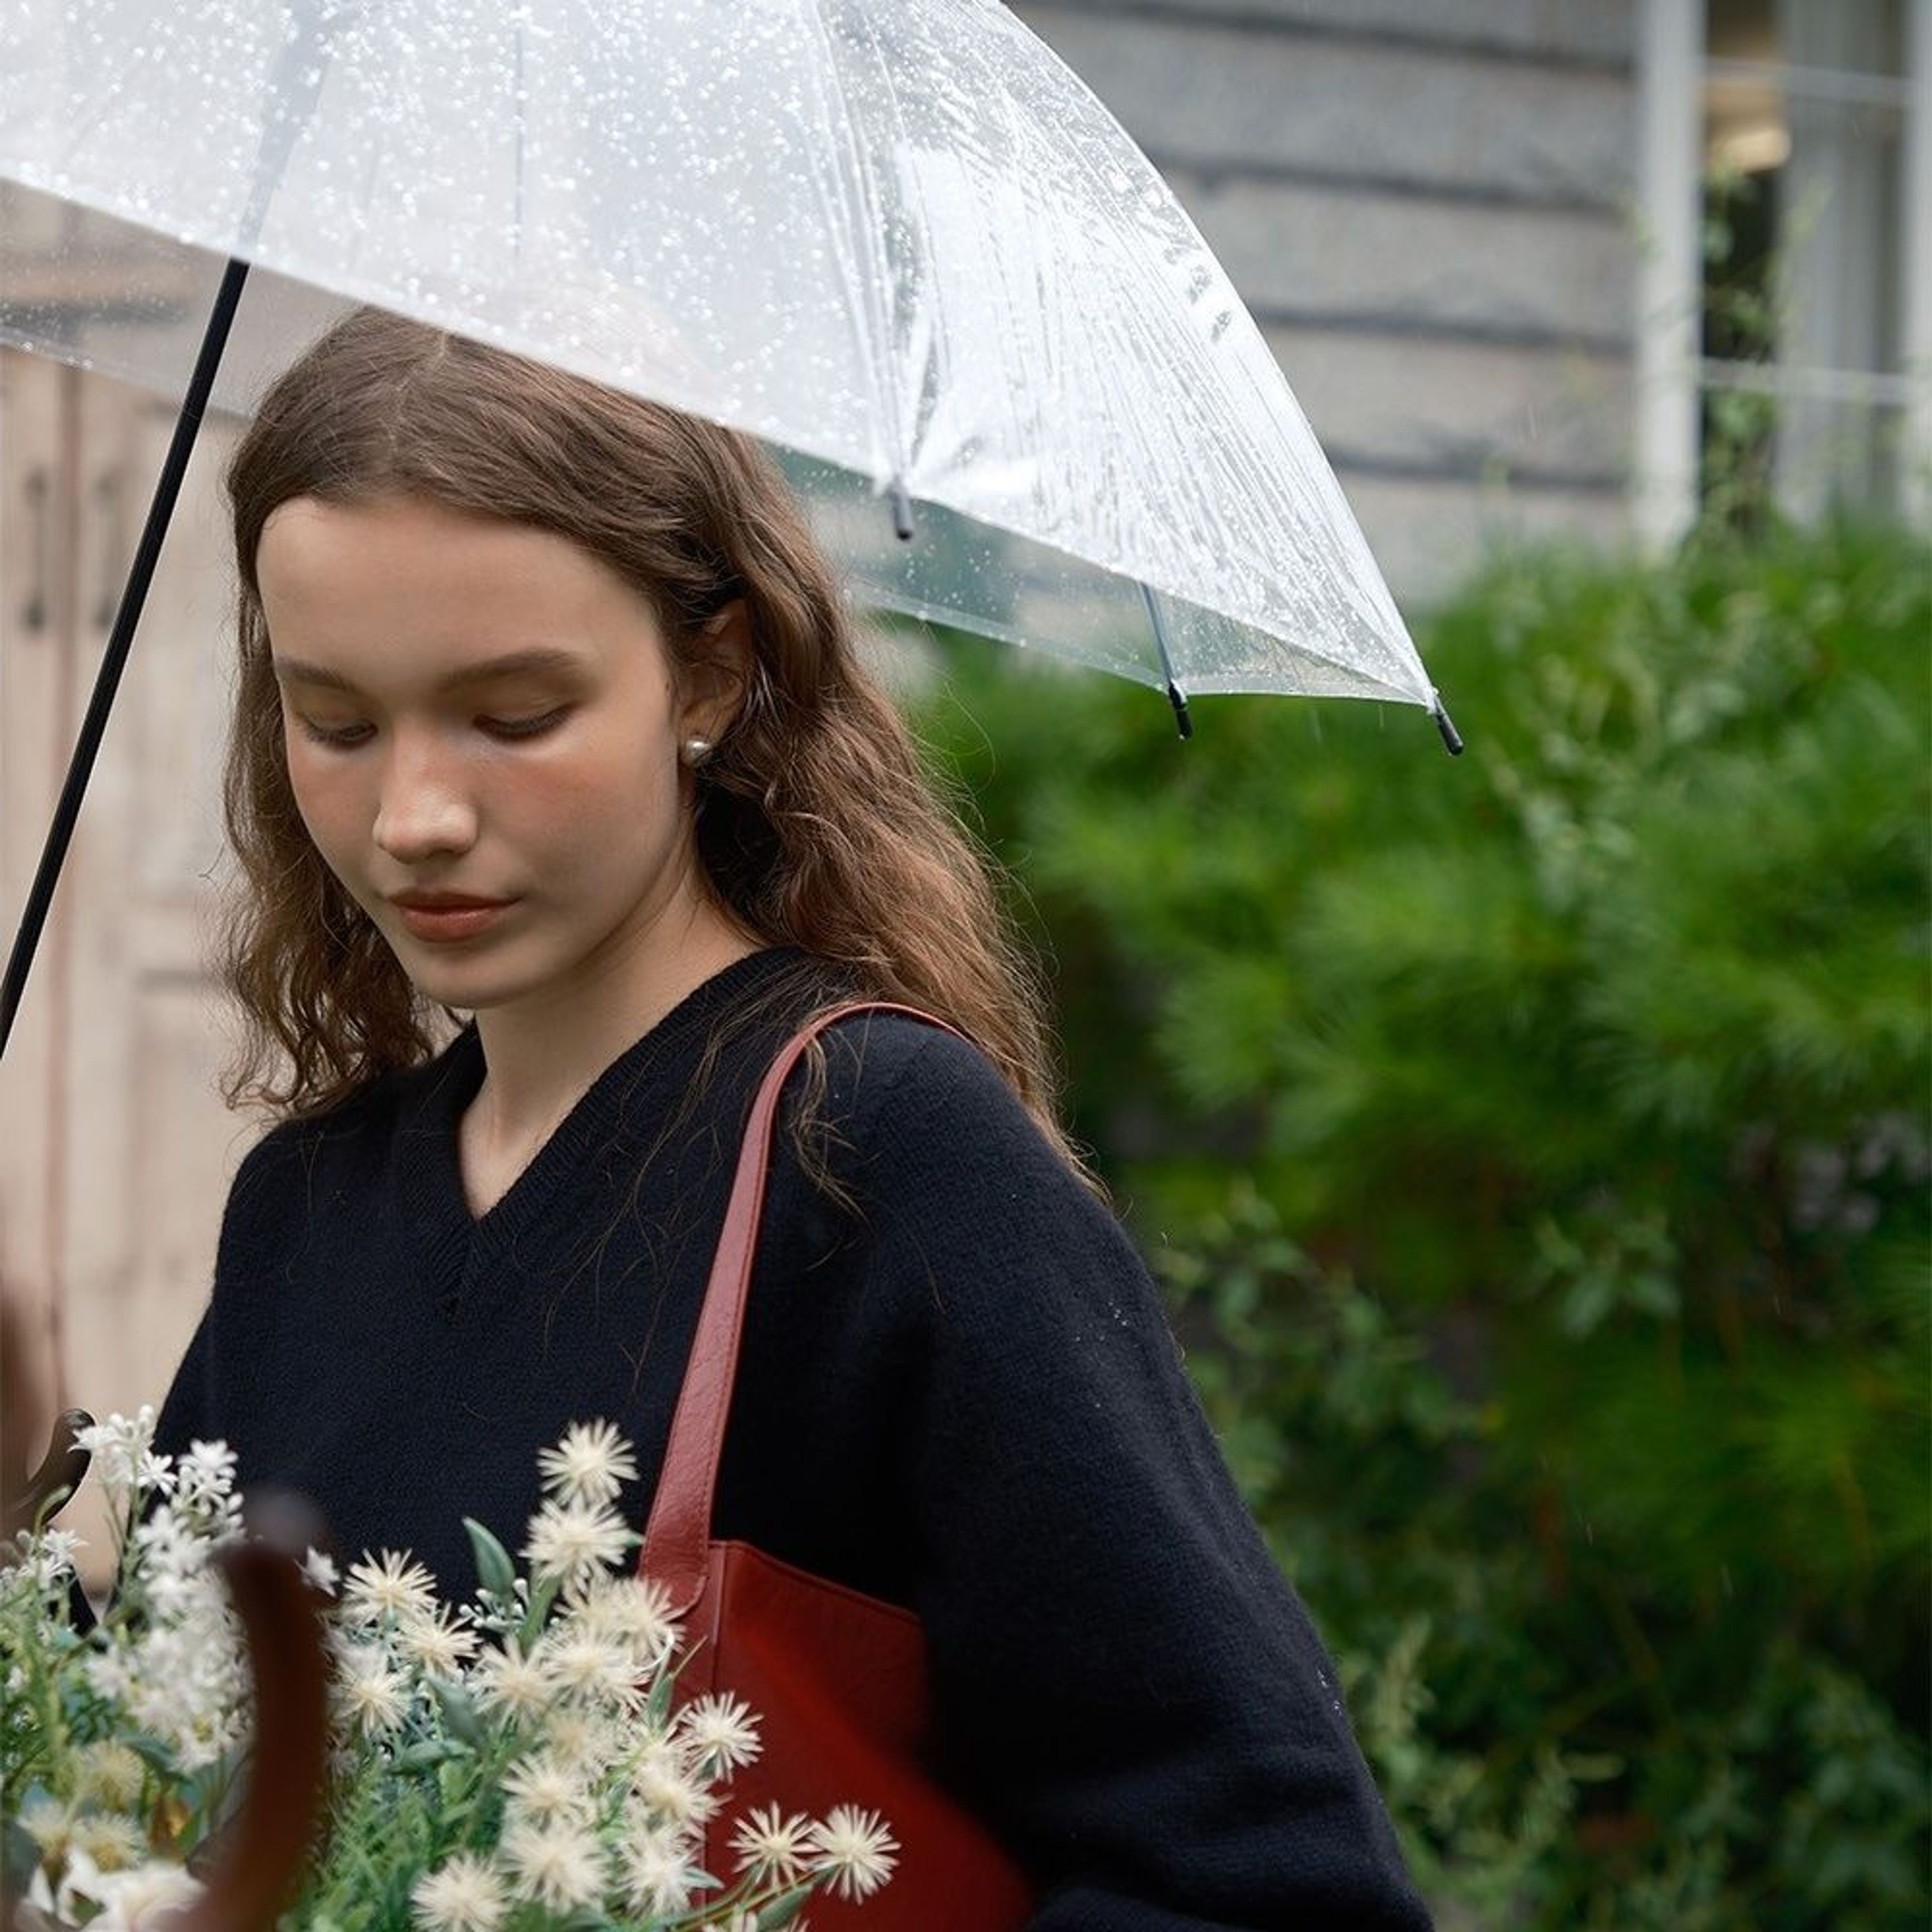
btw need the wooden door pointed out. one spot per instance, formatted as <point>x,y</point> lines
<point>115,1150</point>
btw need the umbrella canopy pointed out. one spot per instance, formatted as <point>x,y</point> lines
<point>901,241</point>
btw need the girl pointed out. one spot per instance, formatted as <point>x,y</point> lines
<point>547,714</point>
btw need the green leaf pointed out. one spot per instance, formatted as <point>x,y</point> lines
<point>459,1713</point>
<point>156,1753</point>
<point>494,1570</point>
<point>542,1598</point>
<point>783,1909</point>
<point>20,1859</point>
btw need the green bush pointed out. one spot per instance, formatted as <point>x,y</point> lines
<point>1568,1323</point>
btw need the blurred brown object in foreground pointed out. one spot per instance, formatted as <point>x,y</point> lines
<point>258,1862</point>
<point>23,1410</point>
<point>19,1418</point>
<point>254,1867</point>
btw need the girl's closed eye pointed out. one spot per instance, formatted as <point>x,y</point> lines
<point>346,737</point>
<point>341,736</point>
<point>526,727</point>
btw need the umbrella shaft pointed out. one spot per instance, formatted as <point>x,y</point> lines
<point>107,681</point>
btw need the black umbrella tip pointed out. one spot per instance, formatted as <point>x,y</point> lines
<point>1452,738</point>
<point>902,511</point>
<point>1177,698</point>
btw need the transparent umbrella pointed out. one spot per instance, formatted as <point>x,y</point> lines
<point>898,239</point>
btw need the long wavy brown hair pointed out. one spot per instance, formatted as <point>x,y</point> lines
<point>816,825</point>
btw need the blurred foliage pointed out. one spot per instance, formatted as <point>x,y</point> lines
<point>1567,1326</point>
<point>1744,313</point>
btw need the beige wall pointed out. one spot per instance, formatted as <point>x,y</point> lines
<point>114,1151</point>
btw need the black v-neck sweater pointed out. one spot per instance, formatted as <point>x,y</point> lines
<point>957,1391</point>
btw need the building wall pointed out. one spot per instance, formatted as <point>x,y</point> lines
<point>1429,210</point>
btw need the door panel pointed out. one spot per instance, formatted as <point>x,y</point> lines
<point>117,1148</point>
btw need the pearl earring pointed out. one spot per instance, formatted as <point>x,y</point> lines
<point>696,751</point>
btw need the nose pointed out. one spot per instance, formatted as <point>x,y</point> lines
<point>424,810</point>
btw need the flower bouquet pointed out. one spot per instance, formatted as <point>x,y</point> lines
<point>519,1764</point>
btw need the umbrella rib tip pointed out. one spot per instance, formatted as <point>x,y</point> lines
<point>1452,738</point>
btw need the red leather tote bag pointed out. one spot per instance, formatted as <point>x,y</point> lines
<point>837,1679</point>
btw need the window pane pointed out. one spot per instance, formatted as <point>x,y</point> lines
<point>1804,108</point>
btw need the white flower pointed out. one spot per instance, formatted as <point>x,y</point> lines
<point>573,1541</point>
<point>720,1733</point>
<point>657,1876</point>
<point>633,1611</point>
<point>111,1775</point>
<point>373,1697</point>
<point>148,1899</point>
<point>589,1465</point>
<point>437,1644</point>
<point>208,1743</point>
<point>114,1843</point>
<point>590,1668</point>
<point>117,1446</point>
<point>170,1546</point>
<point>48,1558</point>
<point>50,1824</point>
<point>393,1584</point>
<point>590,1741</point>
<point>463,1895</point>
<point>108,1675</point>
<point>772,1848</point>
<point>512,1682</point>
<point>540,1787</point>
<point>182,1677</point>
<point>669,1792</point>
<point>204,1492</point>
<point>858,1850</point>
<point>208,1470</point>
<point>320,1571</point>
<point>555,1865</point>
<point>651,1748</point>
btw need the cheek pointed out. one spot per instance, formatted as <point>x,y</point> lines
<point>318,794</point>
<point>623,794</point>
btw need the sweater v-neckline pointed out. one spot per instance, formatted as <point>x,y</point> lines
<point>461,1255</point>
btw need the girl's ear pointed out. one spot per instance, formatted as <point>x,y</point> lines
<point>716,674</point>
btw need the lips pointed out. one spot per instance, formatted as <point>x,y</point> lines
<point>443,918</point>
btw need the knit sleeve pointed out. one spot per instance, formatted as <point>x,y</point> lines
<point>1124,1681</point>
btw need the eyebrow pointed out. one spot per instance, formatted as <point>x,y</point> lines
<point>297,670</point>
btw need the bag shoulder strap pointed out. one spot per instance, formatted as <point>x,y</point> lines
<point>677,1538</point>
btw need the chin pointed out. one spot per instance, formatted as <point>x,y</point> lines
<point>452,982</point>
<point>470,992</point>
